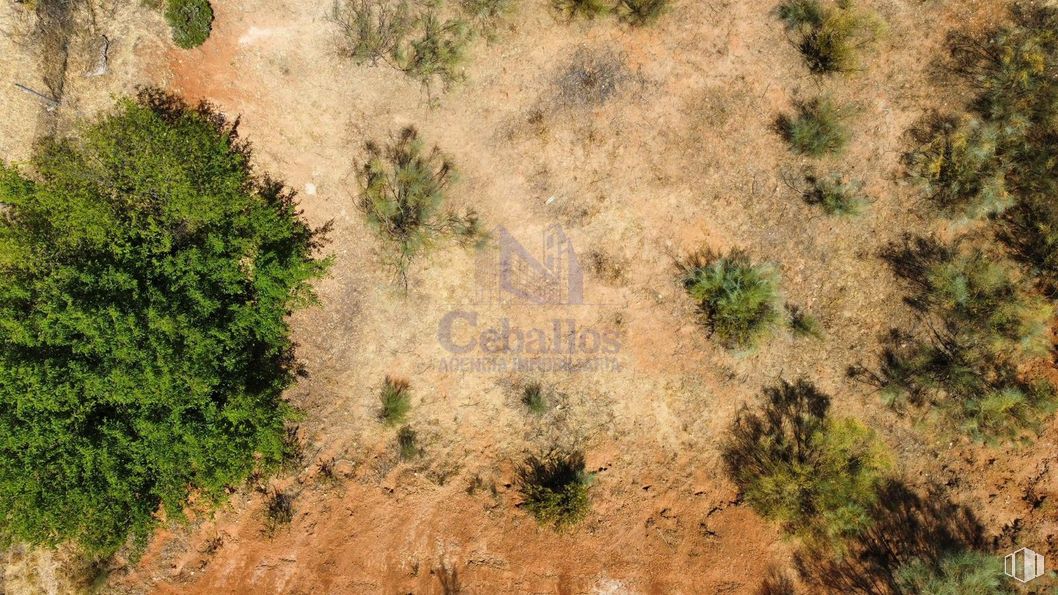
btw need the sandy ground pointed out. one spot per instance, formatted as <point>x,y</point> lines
<point>682,154</point>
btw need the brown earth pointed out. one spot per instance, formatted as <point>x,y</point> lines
<point>679,153</point>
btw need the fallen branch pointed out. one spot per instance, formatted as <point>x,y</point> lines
<point>48,101</point>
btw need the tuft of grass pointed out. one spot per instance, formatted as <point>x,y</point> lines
<point>640,13</point>
<point>587,9</point>
<point>191,21</point>
<point>803,324</point>
<point>555,488</point>
<point>740,300</point>
<point>395,397</point>
<point>279,511</point>
<point>830,37</point>
<point>408,443</point>
<point>533,397</point>
<point>818,128</point>
<point>403,191</point>
<point>836,195</point>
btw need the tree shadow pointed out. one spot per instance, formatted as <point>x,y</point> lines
<point>906,526</point>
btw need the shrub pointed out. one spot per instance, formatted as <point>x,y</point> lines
<point>437,53</point>
<point>830,37</point>
<point>403,190</point>
<point>533,397</point>
<point>740,300</point>
<point>836,195</point>
<point>407,443</point>
<point>815,475</point>
<point>819,128</point>
<point>279,511</point>
<point>804,324</point>
<point>978,298</point>
<point>641,12</point>
<point>555,488</point>
<point>983,322</point>
<point>190,20</point>
<point>372,30</point>
<point>572,9</point>
<point>421,44</point>
<point>961,573</point>
<point>396,401</point>
<point>961,171</point>
<point>146,280</point>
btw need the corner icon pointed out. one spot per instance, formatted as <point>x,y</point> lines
<point>1023,565</point>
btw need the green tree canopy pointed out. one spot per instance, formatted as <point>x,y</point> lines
<point>146,278</point>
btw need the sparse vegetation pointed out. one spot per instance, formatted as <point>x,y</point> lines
<point>836,195</point>
<point>396,401</point>
<point>819,128</point>
<point>146,280</point>
<point>190,21</point>
<point>816,475</point>
<point>830,36</point>
<point>555,488</point>
<point>403,192</point>
<point>740,300</point>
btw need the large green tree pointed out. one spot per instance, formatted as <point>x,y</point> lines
<point>145,279</point>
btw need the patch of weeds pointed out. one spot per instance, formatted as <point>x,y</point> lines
<point>830,37</point>
<point>836,195</point>
<point>740,300</point>
<point>640,13</point>
<point>403,192</point>
<point>533,397</point>
<point>591,78</point>
<point>279,511</point>
<point>408,444</point>
<point>965,572</point>
<point>803,324</point>
<point>586,9</point>
<point>395,398</point>
<point>555,488</point>
<point>190,21</point>
<point>818,128</point>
